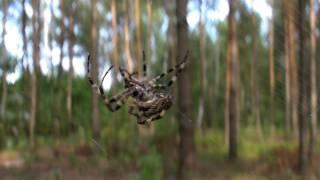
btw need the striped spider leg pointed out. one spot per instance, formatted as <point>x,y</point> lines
<point>155,107</point>
<point>176,70</point>
<point>115,102</point>
<point>133,88</point>
<point>149,103</point>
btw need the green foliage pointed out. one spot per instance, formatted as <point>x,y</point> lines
<point>120,140</point>
<point>150,166</point>
<point>210,145</point>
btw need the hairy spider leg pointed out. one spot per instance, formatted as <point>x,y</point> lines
<point>133,110</point>
<point>147,120</point>
<point>156,117</point>
<point>115,102</point>
<point>129,80</point>
<point>144,64</point>
<point>177,69</point>
<point>97,88</point>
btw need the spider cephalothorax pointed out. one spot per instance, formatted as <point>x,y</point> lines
<point>149,101</point>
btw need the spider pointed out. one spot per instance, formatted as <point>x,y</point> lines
<point>149,101</point>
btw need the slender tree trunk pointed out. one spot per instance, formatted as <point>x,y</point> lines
<point>148,50</point>
<point>227,101</point>
<point>169,158</point>
<point>290,94</point>
<point>36,68</point>
<point>318,52</point>
<point>294,68</point>
<point>203,75</point>
<point>287,81</point>
<point>215,89</point>
<point>254,81</point>
<point>271,72</point>
<point>313,70</point>
<point>4,62</point>
<point>4,94</point>
<point>51,39</point>
<point>127,38</point>
<point>149,31</point>
<point>4,91</point>
<point>24,36</point>
<point>94,54</point>
<point>62,34</point>
<point>24,63</point>
<point>137,17</point>
<point>172,55</point>
<point>115,39</point>
<point>232,83</point>
<point>186,146</point>
<point>70,73</point>
<point>303,89</point>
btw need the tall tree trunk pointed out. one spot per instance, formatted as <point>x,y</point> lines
<point>318,51</point>
<point>169,158</point>
<point>186,146</point>
<point>36,68</point>
<point>62,34</point>
<point>291,70</point>
<point>254,76</point>
<point>70,73</point>
<point>94,54</point>
<point>115,39</point>
<point>287,69</point>
<point>149,31</point>
<point>52,24</point>
<point>148,54</point>
<point>203,75</point>
<point>129,63</point>
<point>24,36</point>
<point>137,17</point>
<point>24,63</point>
<point>4,62</point>
<point>303,88</point>
<point>271,72</point>
<point>171,33</point>
<point>294,68</point>
<point>313,70</point>
<point>232,83</point>
<point>214,90</point>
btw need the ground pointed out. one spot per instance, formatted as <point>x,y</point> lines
<point>264,160</point>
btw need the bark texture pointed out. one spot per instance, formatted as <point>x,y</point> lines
<point>186,131</point>
<point>232,96</point>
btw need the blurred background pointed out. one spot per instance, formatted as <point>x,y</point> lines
<point>246,106</point>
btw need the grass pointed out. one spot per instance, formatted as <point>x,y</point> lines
<point>259,158</point>
<point>210,144</point>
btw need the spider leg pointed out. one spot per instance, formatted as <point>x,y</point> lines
<point>177,69</point>
<point>97,88</point>
<point>115,102</point>
<point>133,110</point>
<point>128,77</point>
<point>144,64</point>
<point>164,86</point>
<point>167,85</point>
<point>155,117</point>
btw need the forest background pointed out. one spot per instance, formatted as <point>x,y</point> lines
<point>245,107</point>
